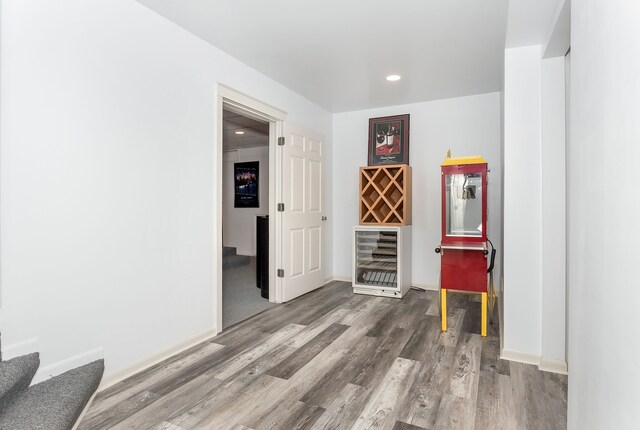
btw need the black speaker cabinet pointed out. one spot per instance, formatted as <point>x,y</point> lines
<point>262,254</point>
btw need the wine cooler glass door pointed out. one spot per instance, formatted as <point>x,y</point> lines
<point>377,258</point>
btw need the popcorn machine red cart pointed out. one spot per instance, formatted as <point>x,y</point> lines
<point>464,247</point>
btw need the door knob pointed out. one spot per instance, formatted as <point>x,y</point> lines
<point>324,218</point>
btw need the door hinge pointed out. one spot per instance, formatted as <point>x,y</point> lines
<point>280,207</point>
<point>280,273</point>
<point>281,141</point>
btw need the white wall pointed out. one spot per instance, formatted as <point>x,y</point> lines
<point>534,320</point>
<point>107,178</point>
<point>466,125</point>
<point>535,199</point>
<point>522,202</point>
<point>239,224</point>
<point>604,259</point>
<point>553,261</point>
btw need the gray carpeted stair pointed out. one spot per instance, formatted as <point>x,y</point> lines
<point>50,405</point>
<point>15,376</point>
<point>230,259</point>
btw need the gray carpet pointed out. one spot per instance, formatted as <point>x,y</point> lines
<point>240,297</point>
<point>231,259</point>
<point>56,403</point>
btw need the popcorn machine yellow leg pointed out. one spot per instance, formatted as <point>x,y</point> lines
<point>443,308</point>
<point>483,329</point>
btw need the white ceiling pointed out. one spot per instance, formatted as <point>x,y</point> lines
<point>256,133</point>
<point>338,53</point>
<point>531,21</point>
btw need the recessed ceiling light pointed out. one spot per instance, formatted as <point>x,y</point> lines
<point>393,78</point>
<point>239,132</point>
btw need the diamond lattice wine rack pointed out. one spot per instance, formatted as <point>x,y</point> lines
<point>385,195</point>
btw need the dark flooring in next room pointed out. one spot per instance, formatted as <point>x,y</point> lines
<point>335,360</point>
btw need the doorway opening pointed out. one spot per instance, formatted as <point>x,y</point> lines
<point>294,202</point>
<point>236,102</point>
<point>245,216</point>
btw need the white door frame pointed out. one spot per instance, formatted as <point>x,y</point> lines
<point>253,108</point>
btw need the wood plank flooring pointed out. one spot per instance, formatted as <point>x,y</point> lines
<point>335,360</point>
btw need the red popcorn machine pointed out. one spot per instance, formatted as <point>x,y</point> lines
<point>465,263</point>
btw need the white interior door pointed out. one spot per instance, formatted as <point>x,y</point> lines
<point>302,218</point>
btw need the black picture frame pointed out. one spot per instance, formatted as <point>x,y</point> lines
<point>245,184</point>
<point>389,140</point>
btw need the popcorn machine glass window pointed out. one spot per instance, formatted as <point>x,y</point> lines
<point>464,209</point>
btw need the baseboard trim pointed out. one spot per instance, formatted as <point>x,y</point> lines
<point>337,278</point>
<point>426,287</point>
<point>545,365</point>
<point>554,366</point>
<point>155,359</point>
<point>24,347</point>
<point>54,369</point>
<point>520,357</point>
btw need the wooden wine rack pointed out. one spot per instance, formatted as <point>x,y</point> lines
<point>385,195</point>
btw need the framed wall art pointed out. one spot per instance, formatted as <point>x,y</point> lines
<point>389,140</point>
<point>245,184</point>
